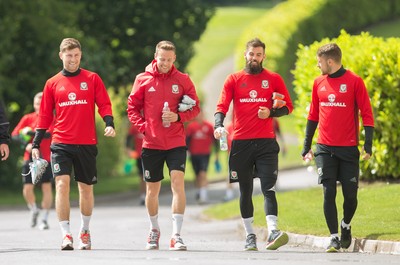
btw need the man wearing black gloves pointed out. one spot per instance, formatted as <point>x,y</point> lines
<point>73,93</point>
<point>338,96</point>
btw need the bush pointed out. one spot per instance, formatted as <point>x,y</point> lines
<point>293,22</point>
<point>377,61</point>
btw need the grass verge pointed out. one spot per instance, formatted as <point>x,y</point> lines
<point>301,212</point>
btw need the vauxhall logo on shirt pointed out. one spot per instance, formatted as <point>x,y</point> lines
<point>332,102</point>
<point>252,98</point>
<point>72,101</point>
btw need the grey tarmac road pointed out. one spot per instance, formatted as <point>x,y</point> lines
<point>119,230</point>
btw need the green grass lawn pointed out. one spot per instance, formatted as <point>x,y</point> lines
<point>301,212</point>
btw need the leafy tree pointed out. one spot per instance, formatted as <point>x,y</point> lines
<point>126,32</point>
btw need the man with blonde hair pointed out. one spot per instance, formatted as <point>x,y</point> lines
<point>162,84</point>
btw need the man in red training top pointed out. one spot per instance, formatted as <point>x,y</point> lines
<point>200,141</point>
<point>160,83</point>
<point>72,95</point>
<point>23,133</point>
<point>338,95</point>
<point>254,151</point>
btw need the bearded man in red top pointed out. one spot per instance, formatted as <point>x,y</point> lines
<point>162,83</point>
<point>72,95</point>
<point>254,151</point>
<point>338,96</point>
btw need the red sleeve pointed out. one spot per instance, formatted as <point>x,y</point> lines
<point>46,107</point>
<point>21,124</point>
<point>364,104</point>
<point>281,88</point>
<point>313,114</point>
<point>135,105</point>
<point>190,90</point>
<point>226,95</point>
<point>102,98</point>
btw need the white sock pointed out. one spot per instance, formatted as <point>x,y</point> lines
<point>32,207</point>
<point>203,194</point>
<point>45,214</point>
<point>344,225</point>
<point>229,193</point>
<point>248,225</point>
<point>335,235</point>
<point>65,227</point>
<point>177,221</point>
<point>272,222</point>
<point>154,222</point>
<point>85,220</point>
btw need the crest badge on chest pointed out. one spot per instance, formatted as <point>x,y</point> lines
<point>84,86</point>
<point>265,84</point>
<point>343,88</point>
<point>175,89</point>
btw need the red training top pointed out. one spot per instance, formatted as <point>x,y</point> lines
<point>249,92</point>
<point>335,105</point>
<point>201,136</point>
<point>30,120</point>
<point>149,92</point>
<point>74,98</point>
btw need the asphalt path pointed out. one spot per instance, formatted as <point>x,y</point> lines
<point>119,229</point>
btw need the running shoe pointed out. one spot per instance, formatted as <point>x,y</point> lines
<point>43,225</point>
<point>34,216</point>
<point>67,243</point>
<point>345,237</point>
<point>276,239</point>
<point>84,240</point>
<point>177,243</point>
<point>153,240</point>
<point>334,246</point>
<point>251,243</point>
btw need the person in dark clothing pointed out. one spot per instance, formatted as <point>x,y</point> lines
<point>4,135</point>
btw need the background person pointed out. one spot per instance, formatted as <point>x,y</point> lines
<point>73,94</point>
<point>134,143</point>
<point>4,135</point>
<point>254,151</point>
<point>200,141</point>
<point>162,82</point>
<point>24,132</point>
<point>338,96</point>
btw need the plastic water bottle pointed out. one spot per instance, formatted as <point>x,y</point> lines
<point>166,108</point>
<point>223,141</point>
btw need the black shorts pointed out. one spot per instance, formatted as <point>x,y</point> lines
<point>46,178</point>
<point>81,157</point>
<point>139,166</point>
<point>153,162</point>
<point>341,163</point>
<point>200,163</point>
<point>253,158</point>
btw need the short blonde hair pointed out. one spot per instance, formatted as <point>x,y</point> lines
<point>69,44</point>
<point>165,45</point>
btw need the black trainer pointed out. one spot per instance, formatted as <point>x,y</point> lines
<point>345,237</point>
<point>334,246</point>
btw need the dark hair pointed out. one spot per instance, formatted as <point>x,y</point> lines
<point>331,51</point>
<point>256,42</point>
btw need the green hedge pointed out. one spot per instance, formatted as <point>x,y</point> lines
<point>377,61</point>
<point>293,22</point>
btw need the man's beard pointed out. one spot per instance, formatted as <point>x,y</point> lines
<point>253,68</point>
